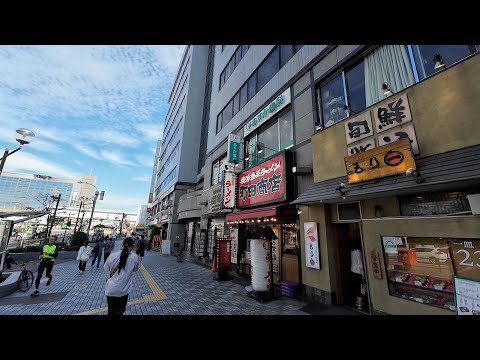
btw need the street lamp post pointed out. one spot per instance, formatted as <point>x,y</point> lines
<point>97,193</point>
<point>49,231</point>
<point>22,141</point>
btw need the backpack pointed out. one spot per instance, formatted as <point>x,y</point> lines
<point>95,249</point>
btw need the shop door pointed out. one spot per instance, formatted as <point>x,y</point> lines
<point>350,280</point>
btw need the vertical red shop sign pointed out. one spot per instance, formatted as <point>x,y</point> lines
<point>263,183</point>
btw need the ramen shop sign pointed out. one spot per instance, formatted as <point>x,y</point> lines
<point>391,159</point>
<point>264,183</point>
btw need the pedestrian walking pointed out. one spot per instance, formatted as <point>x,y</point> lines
<point>108,246</point>
<point>47,258</point>
<point>119,269</point>
<point>97,253</point>
<point>140,247</point>
<point>83,256</point>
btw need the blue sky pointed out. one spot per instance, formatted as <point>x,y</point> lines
<point>90,107</point>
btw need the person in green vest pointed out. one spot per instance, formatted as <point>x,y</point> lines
<point>47,259</point>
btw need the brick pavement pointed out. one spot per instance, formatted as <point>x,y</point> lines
<point>162,287</point>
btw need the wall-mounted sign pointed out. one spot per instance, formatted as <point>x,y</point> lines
<point>467,296</point>
<point>312,256</point>
<point>233,150</point>
<point>399,134</point>
<point>266,182</point>
<point>234,244</point>
<point>466,257</point>
<point>377,270</point>
<point>275,256</point>
<point>386,160</point>
<point>358,127</point>
<point>361,146</point>
<point>271,109</point>
<point>215,197</point>
<point>229,190</point>
<point>392,112</point>
<point>391,243</point>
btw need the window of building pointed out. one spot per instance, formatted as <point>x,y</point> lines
<point>218,168</point>
<point>275,136</point>
<point>421,269</point>
<point>232,64</point>
<point>424,57</point>
<point>355,86</point>
<point>435,203</point>
<point>268,69</point>
<point>332,98</point>
<point>270,66</point>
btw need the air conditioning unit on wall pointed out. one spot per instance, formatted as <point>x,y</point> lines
<point>474,200</point>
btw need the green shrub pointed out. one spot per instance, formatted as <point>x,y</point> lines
<point>154,231</point>
<point>78,239</point>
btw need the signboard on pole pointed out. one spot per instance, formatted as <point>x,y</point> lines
<point>233,150</point>
<point>229,190</point>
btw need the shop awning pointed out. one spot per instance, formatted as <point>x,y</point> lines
<point>264,211</point>
<point>455,169</point>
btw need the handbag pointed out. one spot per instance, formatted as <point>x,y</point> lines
<point>84,257</point>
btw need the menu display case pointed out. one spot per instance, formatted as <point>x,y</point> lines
<point>420,269</point>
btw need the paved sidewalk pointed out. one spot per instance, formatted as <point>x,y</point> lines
<point>163,286</point>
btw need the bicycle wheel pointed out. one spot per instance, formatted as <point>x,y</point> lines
<point>25,280</point>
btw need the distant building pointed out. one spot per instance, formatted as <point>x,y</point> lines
<point>142,215</point>
<point>29,191</point>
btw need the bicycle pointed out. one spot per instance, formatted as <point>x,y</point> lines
<point>25,280</point>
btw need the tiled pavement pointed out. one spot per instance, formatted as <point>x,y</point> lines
<point>161,287</point>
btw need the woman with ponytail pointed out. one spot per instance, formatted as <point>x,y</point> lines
<point>119,269</point>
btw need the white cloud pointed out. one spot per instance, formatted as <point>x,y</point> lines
<point>112,137</point>
<point>146,161</point>
<point>25,162</point>
<point>144,178</point>
<point>42,145</point>
<point>115,158</point>
<point>121,202</point>
<point>151,131</point>
<point>78,162</point>
<point>87,151</point>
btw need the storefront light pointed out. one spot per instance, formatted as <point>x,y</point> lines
<point>259,220</point>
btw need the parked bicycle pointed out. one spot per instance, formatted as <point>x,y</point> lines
<point>25,280</point>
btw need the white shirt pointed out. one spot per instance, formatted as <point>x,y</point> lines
<point>357,262</point>
<point>87,250</point>
<point>120,284</point>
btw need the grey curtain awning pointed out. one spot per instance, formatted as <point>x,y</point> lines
<point>457,168</point>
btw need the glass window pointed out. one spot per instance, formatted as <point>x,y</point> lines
<point>252,86</point>
<point>218,168</point>
<point>286,130</point>
<point>243,96</point>
<point>244,50</point>
<point>219,121</point>
<point>269,139</point>
<point>238,56</point>
<point>298,47</point>
<point>355,82</point>
<point>333,101</point>
<point>290,239</point>
<point>286,53</point>
<point>227,114</point>
<point>222,78</point>
<point>236,103</point>
<point>228,71</point>
<point>424,56</point>
<point>268,69</point>
<point>421,269</point>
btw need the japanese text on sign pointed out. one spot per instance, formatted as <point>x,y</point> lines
<point>229,185</point>
<point>391,113</point>
<point>312,256</point>
<point>382,161</point>
<point>262,183</point>
<point>358,128</point>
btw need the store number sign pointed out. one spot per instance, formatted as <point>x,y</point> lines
<point>466,258</point>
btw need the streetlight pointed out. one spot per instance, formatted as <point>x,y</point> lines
<point>97,193</point>
<point>22,141</point>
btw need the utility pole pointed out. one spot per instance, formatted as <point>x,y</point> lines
<point>49,231</point>
<point>81,221</point>
<point>93,209</point>
<point>66,226</point>
<point>78,215</point>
